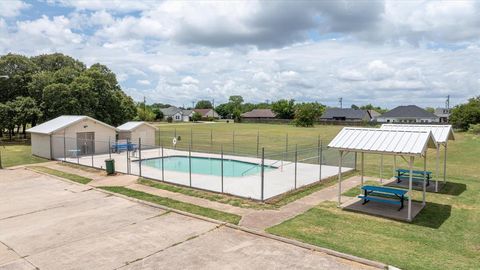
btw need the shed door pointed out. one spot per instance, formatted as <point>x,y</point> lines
<point>86,143</point>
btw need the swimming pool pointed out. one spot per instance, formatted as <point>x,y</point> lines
<point>205,165</point>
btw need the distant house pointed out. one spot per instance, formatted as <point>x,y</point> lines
<point>207,113</point>
<point>177,114</point>
<point>345,114</point>
<point>408,114</point>
<point>259,114</point>
<point>443,114</point>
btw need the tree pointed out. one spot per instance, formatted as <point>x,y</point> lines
<point>158,113</point>
<point>284,109</point>
<point>223,110</point>
<point>467,114</point>
<point>56,61</point>
<point>58,100</point>
<point>355,107</point>
<point>371,107</point>
<point>7,117</point>
<point>196,117</point>
<point>204,104</point>
<point>307,113</point>
<point>430,109</point>
<point>19,70</point>
<point>145,113</point>
<point>26,111</point>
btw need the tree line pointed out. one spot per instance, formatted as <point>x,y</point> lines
<point>39,88</point>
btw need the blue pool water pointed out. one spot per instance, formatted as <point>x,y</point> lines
<point>209,166</point>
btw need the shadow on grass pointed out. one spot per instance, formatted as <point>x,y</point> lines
<point>452,188</point>
<point>433,215</point>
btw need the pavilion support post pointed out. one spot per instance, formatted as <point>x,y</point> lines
<point>363,167</point>
<point>445,165</point>
<point>424,179</point>
<point>340,163</point>
<point>437,171</point>
<point>381,168</point>
<point>394,166</point>
<point>410,166</point>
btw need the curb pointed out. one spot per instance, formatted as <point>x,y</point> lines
<point>236,227</point>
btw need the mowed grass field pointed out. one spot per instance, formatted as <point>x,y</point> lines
<point>18,154</point>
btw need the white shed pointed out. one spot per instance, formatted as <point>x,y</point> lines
<point>71,135</point>
<point>137,129</point>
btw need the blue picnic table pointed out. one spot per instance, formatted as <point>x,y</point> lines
<point>384,195</point>
<point>119,147</point>
<point>417,176</point>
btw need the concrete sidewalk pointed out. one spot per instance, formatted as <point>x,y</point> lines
<point>47,223</point>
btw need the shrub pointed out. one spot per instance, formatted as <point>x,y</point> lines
<point>169,119</point>
<point>475,129</point>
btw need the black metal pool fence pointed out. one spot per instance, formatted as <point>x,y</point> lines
<point>295,165</point>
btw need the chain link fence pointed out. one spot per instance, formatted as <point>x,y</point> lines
<point>252,166</point>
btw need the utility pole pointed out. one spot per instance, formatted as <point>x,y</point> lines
<point>144,106</point>
<point>193,104</point>
<point>340,101</point>
<point>447,103</point>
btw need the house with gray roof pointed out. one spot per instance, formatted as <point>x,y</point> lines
<point>345,114</point>
<point>408,114</point>
<point>177,114</point>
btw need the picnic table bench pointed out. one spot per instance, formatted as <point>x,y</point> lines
<point>417,176</point>
<point>119,147</point>
<point>384,195</point>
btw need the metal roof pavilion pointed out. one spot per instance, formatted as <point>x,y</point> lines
<point>383,141</point>
<point>441,133</point>
<point>404,143</point>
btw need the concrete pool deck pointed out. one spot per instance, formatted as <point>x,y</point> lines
<point>276,182</point>
<point>47,223</point>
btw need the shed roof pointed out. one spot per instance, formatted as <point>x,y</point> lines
<point>348,113</point>
<point>132,125</point>
<point>383,141</point>
<point>62,122</point>
<point>441,133</point>
<point>409,111</point>
<point>259,113</point>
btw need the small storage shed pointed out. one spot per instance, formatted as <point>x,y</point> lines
<point>71,135</point>
<point>137,129</point>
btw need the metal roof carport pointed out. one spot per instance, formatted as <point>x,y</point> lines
<point>404,143</point>
<point>441,133</point>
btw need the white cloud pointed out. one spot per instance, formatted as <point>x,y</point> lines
<point>189,80</point>
<point>382,53</point>
<point>143,82</point>
<point>12,8</point>
<point>116,5</point>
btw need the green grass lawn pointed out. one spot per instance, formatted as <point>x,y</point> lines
<point>18,154</point>
<point>70,176</point>
<point>445,235</point>
<point>187,207</point>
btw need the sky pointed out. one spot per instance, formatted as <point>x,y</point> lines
<point>387,53</point>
